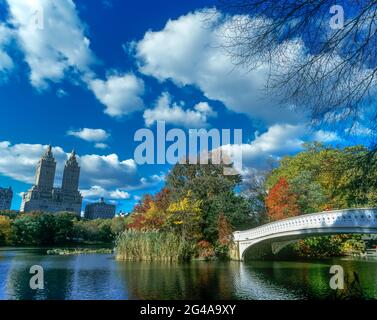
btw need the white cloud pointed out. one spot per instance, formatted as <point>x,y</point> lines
<point>100,145</point>
<point>205,108</point>
<point>326,136</point>
<point>61,93</point>
<point>188,51</point>
<point>358,129</point>
<point>55,46</point>
<point>107,172</point>
<point>19,161</point>
<point>55,43</point>
<point>173,113</point>
<point>278,141</point>
<point>121,94</point>
<point>96,192</point>
<point>94,135</point>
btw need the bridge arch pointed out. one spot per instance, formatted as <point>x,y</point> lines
<point>282,232</point>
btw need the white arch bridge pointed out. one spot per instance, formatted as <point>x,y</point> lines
<point>276,235</point>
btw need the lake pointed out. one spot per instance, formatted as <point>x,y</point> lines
<point>100,276</point>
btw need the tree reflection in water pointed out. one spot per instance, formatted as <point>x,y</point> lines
<point>100,276</point>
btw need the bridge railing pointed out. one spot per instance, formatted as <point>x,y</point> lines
<point>363,217</point>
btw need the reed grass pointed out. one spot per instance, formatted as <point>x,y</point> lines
<point>151,246</point>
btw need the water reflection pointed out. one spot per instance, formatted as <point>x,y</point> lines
<point>101,277</point>
<point>195,280</point>
<point>78,277</point>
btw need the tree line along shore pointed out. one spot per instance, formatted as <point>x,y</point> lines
<point>195,213</point>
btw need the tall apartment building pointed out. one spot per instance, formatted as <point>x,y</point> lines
<point>43,196</point>
<point>6,196</point>
<point>99,210</point>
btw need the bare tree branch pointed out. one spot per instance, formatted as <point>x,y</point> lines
<point>331,73</point>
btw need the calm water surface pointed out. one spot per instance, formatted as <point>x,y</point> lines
<point>100,276</point>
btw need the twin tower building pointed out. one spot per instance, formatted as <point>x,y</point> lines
<point>44,197</point>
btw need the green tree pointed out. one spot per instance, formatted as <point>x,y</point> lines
<point>105,233</point>
<point>309,193</point>
<point>215,191</point>
<point>26,230</point>
<point>235,208</point>
<point>339,177</point>
<point>63,227</point>
<point>324,177</point>
<point>118,225</point>
<point>5,230</point>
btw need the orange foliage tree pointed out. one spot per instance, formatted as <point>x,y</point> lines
<point>144,204</point>
<point>224,230</point>
<point>150,212</point>
<point>281,202</point>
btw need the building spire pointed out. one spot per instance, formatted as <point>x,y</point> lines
<point>46,170</point>
<point>71,173</point>
<point>48,154</point>
<point>72,155</point>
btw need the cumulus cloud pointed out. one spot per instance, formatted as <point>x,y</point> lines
<point>106,172</point>
<point>96,192</point>
<point>326,136</point>
<point>278,141</point>
<point>19,161</point>
<point>55,46</point>
<point>173,113</point>
<point>100,145</point>
<point>93,135</point>
<point>121,94</point>
<point>189,51</point>
<point>52,38</point>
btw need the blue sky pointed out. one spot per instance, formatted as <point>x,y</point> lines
<point>96,71</point>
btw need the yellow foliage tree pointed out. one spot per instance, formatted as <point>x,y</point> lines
<point>5,230</point>
<point>154,217</point>
<point>185,216</point>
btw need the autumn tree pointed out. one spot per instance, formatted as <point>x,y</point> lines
<point>144,204</point>
<point>216,193</point>
<point>162,199</point>
<point>154,217</point>
<point>327,177</point>
<point>281,202</point>
<point>5,230</point>
<point>224,230</point>
<point>185,217</point>
<point>136,221</point>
